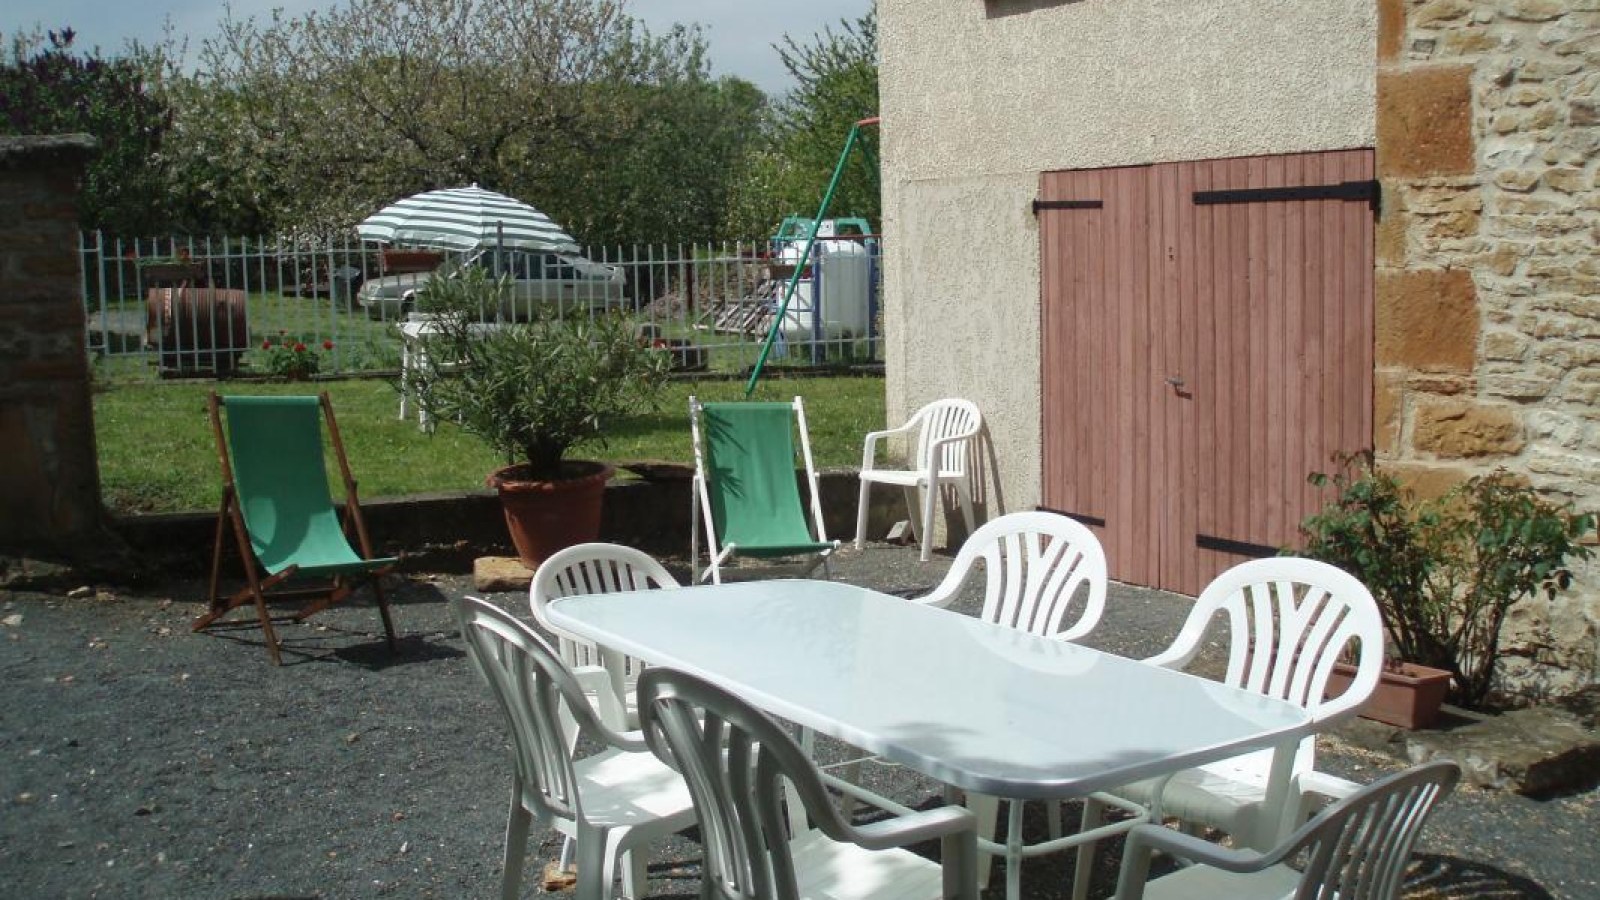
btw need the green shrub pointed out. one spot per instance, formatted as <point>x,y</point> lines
<point>530,390</point>
<point>1445,573</point>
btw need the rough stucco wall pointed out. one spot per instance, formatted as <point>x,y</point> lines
<point>971,332</point>
<point>980,96</point>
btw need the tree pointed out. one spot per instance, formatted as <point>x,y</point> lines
<point>46,87</point>
<point>325,118</point>
<point>836,77</point>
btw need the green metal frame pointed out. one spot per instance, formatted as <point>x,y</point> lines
<point>805,253</point>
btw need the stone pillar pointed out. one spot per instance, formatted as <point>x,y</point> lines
<point>1488,281</point>
<point>49,478</point>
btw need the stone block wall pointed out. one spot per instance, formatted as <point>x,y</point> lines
<point>1488,279</point>
<point>49,478</point>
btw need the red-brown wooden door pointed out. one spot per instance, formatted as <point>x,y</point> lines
<point>1206,342</point>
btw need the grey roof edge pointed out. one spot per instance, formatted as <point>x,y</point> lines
<point>18,151</point>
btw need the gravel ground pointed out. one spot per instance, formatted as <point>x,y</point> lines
<point>142,761</point>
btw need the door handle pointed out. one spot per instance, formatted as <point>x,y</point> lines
<point>1175,381</point>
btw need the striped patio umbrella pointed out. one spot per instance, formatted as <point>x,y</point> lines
<point>465,219</point>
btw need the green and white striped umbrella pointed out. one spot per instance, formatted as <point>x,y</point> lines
<point>465,219</point>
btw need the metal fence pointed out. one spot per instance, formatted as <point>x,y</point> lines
<point>210,307</point>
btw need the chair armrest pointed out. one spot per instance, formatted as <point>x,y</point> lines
<point>872,439</point>
<point>597,679</point>
<point>1148,838</point>
<point>1331,787</point>
<point>1314,790</point>
<point>922,826</point>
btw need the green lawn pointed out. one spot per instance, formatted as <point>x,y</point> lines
<point>157,452</point>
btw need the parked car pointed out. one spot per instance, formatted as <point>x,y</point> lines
<point>564,281</point>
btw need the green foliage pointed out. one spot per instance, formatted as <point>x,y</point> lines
<point>289,356</point>
<point>1446,573</point>
<point>531,391</point>
<point>311,123</point>
<point>836,86</point>
<point>47,87</point>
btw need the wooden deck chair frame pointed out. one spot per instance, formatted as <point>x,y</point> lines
<point>255,590</point>
<point>701,507</point>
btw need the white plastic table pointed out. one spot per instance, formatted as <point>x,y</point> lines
<point>414,355</point>
<point>978,706</point>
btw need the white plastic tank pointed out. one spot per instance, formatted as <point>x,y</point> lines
<point>845,267</point>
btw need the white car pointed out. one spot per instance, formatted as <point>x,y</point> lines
<point>564,281</point>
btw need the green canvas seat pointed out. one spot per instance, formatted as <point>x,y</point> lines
<point>745,487</point>
<point>275,492</point>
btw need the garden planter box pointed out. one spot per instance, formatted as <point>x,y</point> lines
<point>407,262</point>
<point>1409,696</point>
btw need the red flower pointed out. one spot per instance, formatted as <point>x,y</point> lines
<point>299,348</point>
<point>327,345</point>
<point>266,345</point>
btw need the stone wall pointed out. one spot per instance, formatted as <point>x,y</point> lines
<point>1488,280</point>
<point>49,479</point>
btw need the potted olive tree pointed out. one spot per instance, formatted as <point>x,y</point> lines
<point>533,391</point>
<point>1445,574</point>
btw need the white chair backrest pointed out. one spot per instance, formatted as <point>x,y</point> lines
<point>942,420</point>
<point>541,701</point>
<point>1036,564</point>
<point>735,760</point>
<point>592,569</point>
<point>1290,620</point>
<point>1358,848</point>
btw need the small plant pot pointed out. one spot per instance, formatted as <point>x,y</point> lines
<point>546,516</point>
<point>1408,697</point>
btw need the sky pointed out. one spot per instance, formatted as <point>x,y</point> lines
<point>740,33</point>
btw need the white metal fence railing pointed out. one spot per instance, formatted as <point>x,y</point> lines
<point>173,307</point>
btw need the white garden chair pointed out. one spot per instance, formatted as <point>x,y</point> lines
<point>598,569</point>
<point>1356,849</point>
<point>738,761</point>
<point>946,431</point>
<point>611,802</point>
<point>1289,620</point>
<point>1036,566</point>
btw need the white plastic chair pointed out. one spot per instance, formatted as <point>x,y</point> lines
<point>598,569</point>
<point>1356,849</point>
<point>737,762</point>
<point>1290,620</point>
<point>1035,564</point>
<point>944,448</point>
<point>611,802</point>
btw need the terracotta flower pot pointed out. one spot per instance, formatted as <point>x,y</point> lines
<point>546,516</point>
<point>1408,696</point>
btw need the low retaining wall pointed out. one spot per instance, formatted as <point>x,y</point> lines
<point>446,532</point>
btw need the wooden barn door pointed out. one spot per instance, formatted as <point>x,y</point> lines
<point>1206,342</point>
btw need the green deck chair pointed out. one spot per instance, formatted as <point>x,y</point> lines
<point>275,494</point>
<point>745,489</point>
